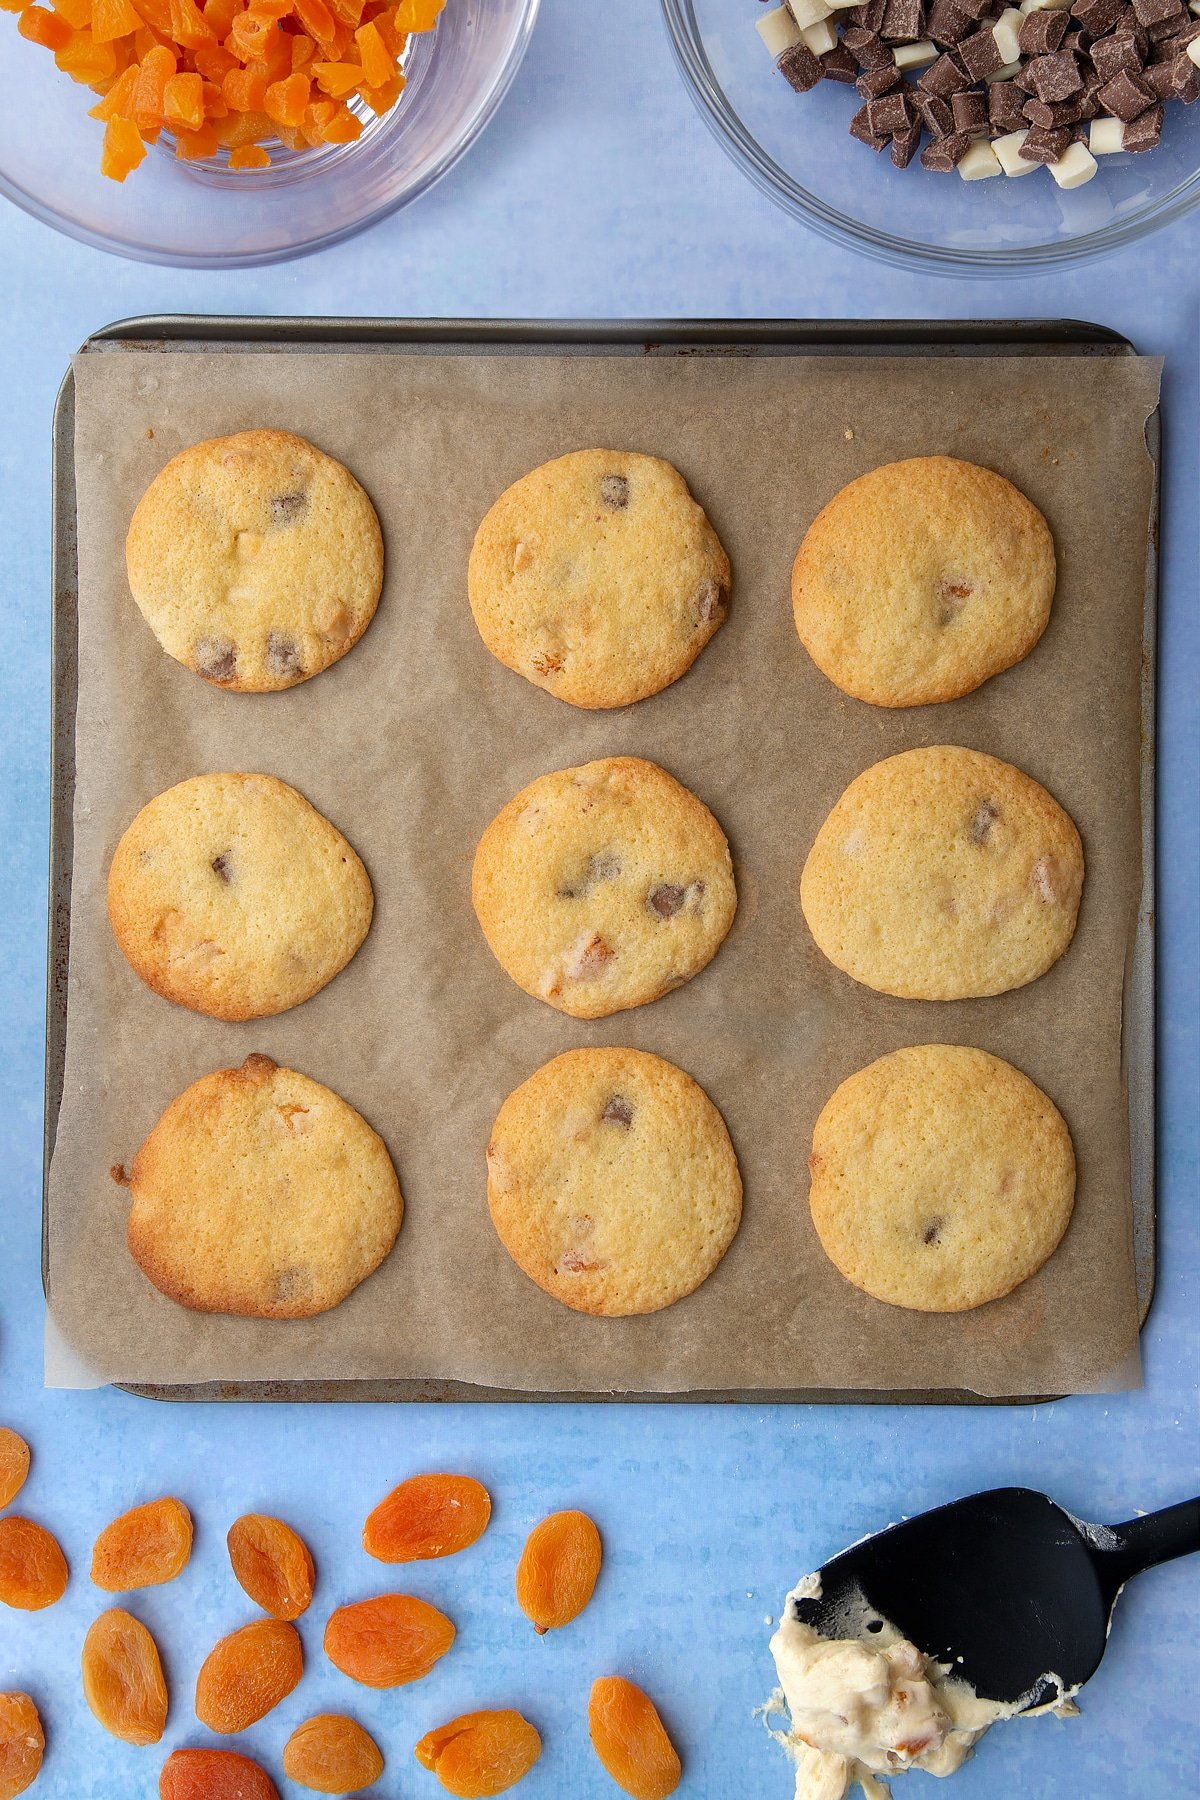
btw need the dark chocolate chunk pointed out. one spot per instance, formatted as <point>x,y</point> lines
<point>1111,55</point>
<point>614,491</point>
<point>618,1111</point>
<point>1042,146</point>
<point>1187,80</point>
<point>1160,78</point>
<point>860,128</point>
<point>889,115</point>
<point>903,22</point>
<point>936,114</point>
<point>283,654</point>
<point>945,153</point>
<point>1144,132</point>
<point>220,867</point>
<point>970,109</point>
<point>1006,103</point>
<point>948,23</point>
<point>1054,77</point>
<point>977,9</point>
<point>1161,30</point>
<point>710,600</point>
<point>943,77</point>
<point>800,68</point>
<point>839,65</point>
<point>1041,33</point>
<point>874,82</point>
<point>905,143</point>
<point>1149,12</point>
<point>285,509</point>
<point>665,900</point>
<point>869,16</point>
<point>1125,96</point>
<point>214,658</point>
<point>1063,112</point>
<point>868,48</point>
<point>1096,16</point>
<point>980,54</point>
<point>983,821</point>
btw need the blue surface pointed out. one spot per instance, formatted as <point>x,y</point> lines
<point>596,192</point>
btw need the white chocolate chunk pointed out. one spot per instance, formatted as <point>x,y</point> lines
<point>1004,31</point>
<point>1075,166</point>
<point>1193,51</point>
<point>841,5</point>
<point>979,162</point>
<point>778,31</point>
<point>916,56</point>
<point>1007,150</point>
<point>1106,137</point>
<point>1194,7</point>
<point>819,37</point>
<point>809,12</point>
<point>1005,72</point>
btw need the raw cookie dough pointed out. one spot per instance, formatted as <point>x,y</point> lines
<point>922,579</point>
<point>256,560</point>
<point>602,887</point>
<point>598,577</point>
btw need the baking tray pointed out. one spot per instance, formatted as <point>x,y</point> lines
<point>172,334</point>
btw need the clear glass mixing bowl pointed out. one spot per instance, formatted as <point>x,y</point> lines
<point>797,148</point>
<point>200,215</point>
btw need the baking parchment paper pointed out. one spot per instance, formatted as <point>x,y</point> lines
<point>414,741</point>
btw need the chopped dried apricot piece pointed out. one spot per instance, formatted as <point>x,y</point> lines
<point>630,1739</point>
<point>33,1570</point>
<point>303,52</point>
<point>241,129</point>
<point>183,102</point>
<point>344,127</point>
<point>249,156</point>
<point>187,25</point>
<point>286,100</point>
<point>245,91</point>
<point>22,1742</point>
<point>113,19</point>
<point>14,1464</point>
<point>332,1755</point>
<point>157,68</point>
<point>118,102</point>
<point>377,65</point>
<point>214,1775</point>
<point>316,118</point>
<point>247,1674</point>
<point>194,146</point>
<point>269,1559</point>
<point>382,99</point>
<point>427,1516</point>
<point>123,149</point>
<point>78,13</point>
<point>45,28</point>
<point>316,19</point>
<point>387,1641</point>
<point>418,15</point>
<point>558,1569</point>
<point>337,78</point>
<point>214,62</point>
<point>144,1547</point>
<point>481,1753</point>
<point>86,61</point>
<point>123,1679</point>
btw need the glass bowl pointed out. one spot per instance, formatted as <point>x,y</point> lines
<point>797,148</point>
<point>200,215</point>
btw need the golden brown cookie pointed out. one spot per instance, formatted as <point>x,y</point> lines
<point>612,1181</point>
<point>943,874</point>
<point>941,1178</point>
<point>231,895</point>
<point>598,577</point>
<point>603,887</point>
<point>921,580</point>
<point>260,1192</point>
<point>256,560</point>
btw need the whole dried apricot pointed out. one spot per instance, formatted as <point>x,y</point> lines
<point>630,1739</point>
<point>480,1753</point>
<point>33,1570</point>
<point>557,1571</point>
<point>144,1547</point>
<point>123,1678</point>
<point>214,1775</point>
<point>387,1641</point>
<point>22,1742</point>
<point>14,1464</point>
<point>272,1563</point>
<point>427,1516</point>
<point>332,1755</point>
<point>248,1673</point>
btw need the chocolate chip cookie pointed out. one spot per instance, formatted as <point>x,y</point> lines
<point>941,1178</point>
<point>598,577</point>
<point>944,874</point>
<point>612,1181</point>
<point>231,895</point>
<point>262,1193</point>
<point>602,887</point>
<point>921,580</point>
<point>256,560</point>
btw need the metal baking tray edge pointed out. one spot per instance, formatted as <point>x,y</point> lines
<point>680,337</point>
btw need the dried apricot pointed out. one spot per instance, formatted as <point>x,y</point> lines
<point>14,1465</point>
<point>33,1570</point>
<point>332,1755</point>
<point>144,1547</point>
<point>427,1516</point>
<point>22,1742</point>
<point>272,1563</point>
<point>480,1753</point>
<point>630,1739</point>
<point>387,1641</point>
<point>557,1571</point>
<point>214,1775</point>
<point>123,1678</point>
<point>248,1673</point>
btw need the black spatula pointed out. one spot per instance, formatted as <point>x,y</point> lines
<point>1006,1586</point>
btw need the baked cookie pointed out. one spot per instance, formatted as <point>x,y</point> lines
<point>598,577</point>
<point>943,874</point>
<point>602,887</point>
<point>612,1181</point>
<point>230,894</point>
<point>256,560</point>
<point>262,1193</point>
<point>941,1178</point>
<point>922,579</point>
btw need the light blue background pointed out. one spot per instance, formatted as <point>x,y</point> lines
<point>597,192</point>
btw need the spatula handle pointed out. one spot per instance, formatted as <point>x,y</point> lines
<point>1156,1538</point>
